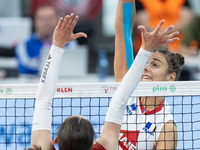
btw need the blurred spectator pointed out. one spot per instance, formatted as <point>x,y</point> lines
<point>86,9</point>
<point>150,12</point>
<point>29,52</point>
<point>190,49</point>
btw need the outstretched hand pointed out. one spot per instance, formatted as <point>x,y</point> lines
<point>151,40</point>
<point>63,32</point>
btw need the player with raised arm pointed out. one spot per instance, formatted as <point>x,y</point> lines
<point>76,132</point>
<point>147,122</point>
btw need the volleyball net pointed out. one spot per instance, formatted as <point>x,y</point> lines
<point>92,101</point>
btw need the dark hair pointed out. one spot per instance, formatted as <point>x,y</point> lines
<point>175,61</point>
<point>75,133</point>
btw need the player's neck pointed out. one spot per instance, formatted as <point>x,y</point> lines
<point>150,103</point>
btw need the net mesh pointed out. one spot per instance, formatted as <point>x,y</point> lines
<point>16,110</point>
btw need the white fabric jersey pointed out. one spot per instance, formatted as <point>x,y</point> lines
<point>141,128</point>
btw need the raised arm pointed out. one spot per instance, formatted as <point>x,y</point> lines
<point>114,116</point>
<point>124,22</point>
<point>41,127</point>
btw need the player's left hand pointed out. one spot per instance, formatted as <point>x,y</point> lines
<point>151,40</point>
<point>63,32</point>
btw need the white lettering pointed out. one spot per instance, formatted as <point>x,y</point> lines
<point>146,130</point>
<point>132,147</point>
<point>120,135</point>
<point>124,140</point>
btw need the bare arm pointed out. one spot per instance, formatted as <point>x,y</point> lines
<point>63,34</point>
<point>168,137</point>
<point>120,61</point>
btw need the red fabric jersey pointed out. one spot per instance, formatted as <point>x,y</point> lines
<point>98,146</point>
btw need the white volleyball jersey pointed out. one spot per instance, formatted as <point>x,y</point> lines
<point>141,128</point>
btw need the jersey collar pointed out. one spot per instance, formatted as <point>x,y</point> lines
<point>147,112</point>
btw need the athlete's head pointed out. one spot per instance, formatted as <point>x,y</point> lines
<point>163,66</point>
<point>45,21</point>
<point>76,133</point>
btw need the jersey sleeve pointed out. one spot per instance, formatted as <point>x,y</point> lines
<point>98,146</point>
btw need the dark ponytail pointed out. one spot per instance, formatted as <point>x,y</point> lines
<point>180,59</point>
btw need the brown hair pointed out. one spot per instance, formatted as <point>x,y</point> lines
<point>75,133</point>
<point>175,61</point>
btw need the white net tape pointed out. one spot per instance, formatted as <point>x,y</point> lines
<point>92,100</point>
<point>103,89</point>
